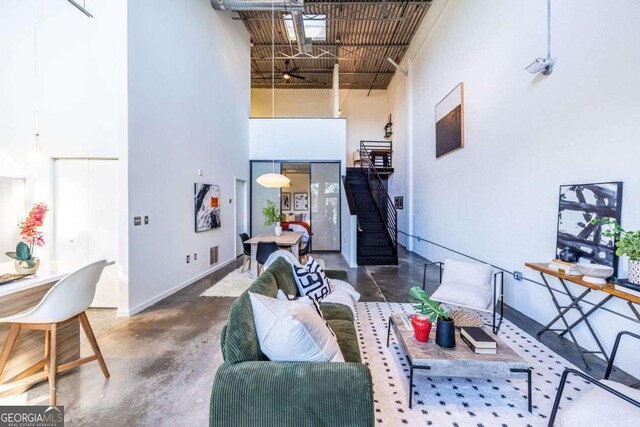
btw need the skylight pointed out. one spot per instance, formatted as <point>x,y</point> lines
<point>315,27</point>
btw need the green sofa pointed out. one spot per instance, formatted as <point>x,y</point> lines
<point>251,391</point>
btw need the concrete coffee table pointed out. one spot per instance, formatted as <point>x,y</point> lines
<point>460,361</point>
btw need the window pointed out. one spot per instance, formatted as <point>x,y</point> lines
<point>315,27</point>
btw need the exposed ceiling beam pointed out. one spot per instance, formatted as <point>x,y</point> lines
<point>324,58</point>
<point>365,2</point>
<point>280,46</point>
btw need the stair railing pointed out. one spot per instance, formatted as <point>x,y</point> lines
<point>385,206</point>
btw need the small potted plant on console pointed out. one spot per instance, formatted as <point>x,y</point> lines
<point>432,311</point>
<point>627,243</point>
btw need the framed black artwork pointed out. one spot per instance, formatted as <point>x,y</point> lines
<point>579,204</point>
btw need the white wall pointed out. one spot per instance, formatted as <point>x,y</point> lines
<point>304,139</point>
<point>81,91</point>
<point>188,110</point>
<point>398,180</point>
<point>366,117</point>
<point>366,114</point>
<point>525,135</point>
<point>291,103</point>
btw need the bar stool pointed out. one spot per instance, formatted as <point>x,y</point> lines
<point>65,302</point>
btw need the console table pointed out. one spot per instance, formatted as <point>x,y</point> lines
<point>609,291</point>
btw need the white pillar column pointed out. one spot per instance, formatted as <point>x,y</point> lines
<point>335,100</point>
<point>409,152</point>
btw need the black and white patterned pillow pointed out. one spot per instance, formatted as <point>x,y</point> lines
<point>312,281</point>
<point>314,267</point>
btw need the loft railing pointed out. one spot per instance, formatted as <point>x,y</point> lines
<point>380,196</point>
<point>377,153</point>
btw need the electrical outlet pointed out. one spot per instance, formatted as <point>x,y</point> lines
<point>195,257</point>
<point>188,259</point>
<point>517,275</point>
<point>137,220</point>
<point>146,220</point>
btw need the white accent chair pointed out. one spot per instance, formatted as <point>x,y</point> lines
<point>608,403</point>
<point>469,285</point>
<point>65,302</point>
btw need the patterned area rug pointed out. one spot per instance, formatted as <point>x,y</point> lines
<point>458,402</point>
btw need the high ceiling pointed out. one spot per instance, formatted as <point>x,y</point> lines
<point>359,37</point>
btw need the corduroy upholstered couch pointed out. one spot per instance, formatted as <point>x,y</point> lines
<point>251,391</point>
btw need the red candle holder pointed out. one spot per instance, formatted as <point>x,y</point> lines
<point>421,327</point>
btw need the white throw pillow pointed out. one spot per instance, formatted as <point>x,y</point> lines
<point>598,407</point>
<point>292,331</point>
<point>463,295</point>
<point>311,280</point>
<point>309,301</point>
<point>467,272</point>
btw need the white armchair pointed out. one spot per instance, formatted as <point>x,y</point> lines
<point>469,285</point>
<point>608,403</point>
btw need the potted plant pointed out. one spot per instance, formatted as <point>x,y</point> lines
<point>31,237</point>
<point>445,330</point>
<point>272,215</point>
<point>627,243</point>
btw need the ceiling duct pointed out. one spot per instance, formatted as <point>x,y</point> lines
<point>304,45</point>
<point>239,5</point>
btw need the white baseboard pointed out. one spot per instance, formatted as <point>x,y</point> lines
<point>352,264</point>
<point>137,309</point>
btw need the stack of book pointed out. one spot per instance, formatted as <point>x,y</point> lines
<point>568,268</point>
<point>628,287</point>
<point>478,340</point>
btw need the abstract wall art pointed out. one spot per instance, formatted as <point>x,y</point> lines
<point>207,206</point>
<point>286,201</point>
<point>579,205</point>
<point>450,122</point>
<point>301,201</point>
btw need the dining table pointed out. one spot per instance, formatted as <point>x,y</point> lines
<point>288,239</point>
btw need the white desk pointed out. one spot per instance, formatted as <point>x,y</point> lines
<point>49,272</point>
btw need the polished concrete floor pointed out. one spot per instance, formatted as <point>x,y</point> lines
<point>163,360</point>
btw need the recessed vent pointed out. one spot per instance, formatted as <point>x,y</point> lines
<point>213,255</point>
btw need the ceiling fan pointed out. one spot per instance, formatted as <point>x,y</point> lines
<point>289,74</point>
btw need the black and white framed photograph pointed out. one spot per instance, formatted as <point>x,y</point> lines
<point>579,205</point>
<point>207,206</point>
<point>286,201</point>
<point>301,201</point>
<point>450,122</point>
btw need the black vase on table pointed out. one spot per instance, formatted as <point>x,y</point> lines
<point>446,333</point>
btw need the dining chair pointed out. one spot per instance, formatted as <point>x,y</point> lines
<point>246,251</point>
<point>305,251</point>
<point>263,251</point>
<point>64,303</point>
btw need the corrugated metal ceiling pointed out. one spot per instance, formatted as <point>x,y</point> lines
<point>359,37</point>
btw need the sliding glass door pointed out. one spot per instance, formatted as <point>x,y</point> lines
<point>313,198</point>
<point>325,206</point>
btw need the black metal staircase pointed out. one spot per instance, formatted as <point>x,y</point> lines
<point>377,216</point>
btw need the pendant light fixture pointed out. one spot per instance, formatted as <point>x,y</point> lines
<point>273,179</point>
<point>35,152</point>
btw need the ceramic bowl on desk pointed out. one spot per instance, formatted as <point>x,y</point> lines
<point>595,273</point>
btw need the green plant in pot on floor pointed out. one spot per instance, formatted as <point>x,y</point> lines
<point>31,237</point>
<point>627,243</point>
<point>272,216</point>
<point>430,311</point>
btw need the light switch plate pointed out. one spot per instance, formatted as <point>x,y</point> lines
<point>146,220</point>
<point>137,220</point>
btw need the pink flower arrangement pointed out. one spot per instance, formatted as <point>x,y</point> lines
<point>29,227</point>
